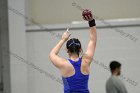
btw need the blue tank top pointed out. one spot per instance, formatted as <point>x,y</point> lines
<point>78,83</point>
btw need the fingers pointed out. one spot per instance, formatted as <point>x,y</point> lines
<point>68,33</point>
<point>84,18</point>
<point>90,17</point>
<point>87,15</point>
<point>67,30</point>
<point>87,18</point>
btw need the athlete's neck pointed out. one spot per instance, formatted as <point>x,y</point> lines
<point>115,74</point>
<point>74,57</point>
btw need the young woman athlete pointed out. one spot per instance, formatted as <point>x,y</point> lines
<point>75,70</point>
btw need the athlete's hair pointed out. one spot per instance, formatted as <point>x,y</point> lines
<point>114,65</point>
<point>73,45</point>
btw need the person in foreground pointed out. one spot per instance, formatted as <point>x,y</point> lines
<point>114,84</point>
<point>75,70</point>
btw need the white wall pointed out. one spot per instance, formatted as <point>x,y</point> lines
<point>18,70</point>
<point>62,11</point>
<point>111,45</point>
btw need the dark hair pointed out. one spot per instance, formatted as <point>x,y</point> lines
<point>73,45</point>
<point>114,65</point>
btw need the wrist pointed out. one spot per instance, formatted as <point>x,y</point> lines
<point>92,23</point>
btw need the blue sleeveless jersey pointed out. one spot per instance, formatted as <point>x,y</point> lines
<point>78,83</point>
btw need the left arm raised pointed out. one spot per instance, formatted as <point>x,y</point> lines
<point>55,59</point>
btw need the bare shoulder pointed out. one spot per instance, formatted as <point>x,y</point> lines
<point>67,69</point>
<point>65,64</point>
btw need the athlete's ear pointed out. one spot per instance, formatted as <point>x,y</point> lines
<point>81,50</point>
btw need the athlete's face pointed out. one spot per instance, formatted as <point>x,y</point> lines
<point>118,70</point>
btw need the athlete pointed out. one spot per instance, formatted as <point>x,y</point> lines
<point>75,70</point>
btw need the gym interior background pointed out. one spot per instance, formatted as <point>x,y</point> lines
<point>30,28</point>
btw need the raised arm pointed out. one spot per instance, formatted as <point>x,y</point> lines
<point>88,56</point>
<point>55,59</point>
<point>92,44</point>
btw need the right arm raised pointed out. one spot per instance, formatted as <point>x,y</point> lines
<point>88,56</point>
<point>91,45</point>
